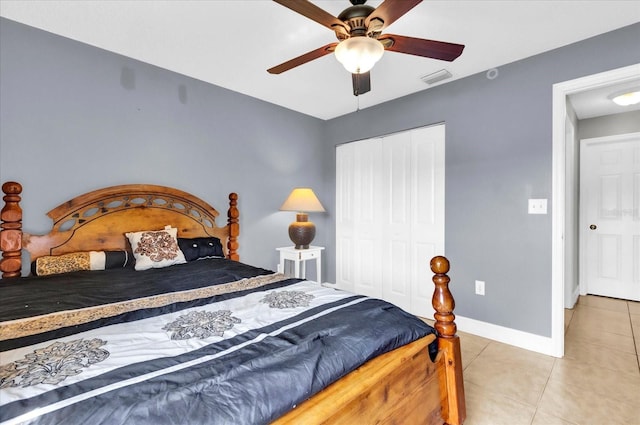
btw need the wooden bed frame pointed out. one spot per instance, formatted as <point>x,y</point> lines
<point>400,387</point>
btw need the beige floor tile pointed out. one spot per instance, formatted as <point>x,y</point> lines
<point>542,418</point>
<point>623,387</point>
<point>595,336</point>
<point>604,303</point>
<point>601,356</point>
<point>568,315</point>
<point>578,406</point>
<point>634,307</point>
<point>471,346</point>
<point>511,371</point>
<point>616,322</point>
<point>596,383</point>
<point>635,325</point>
<point>486,407</point>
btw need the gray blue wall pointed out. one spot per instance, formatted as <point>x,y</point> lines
<point>498,154</point>
<point>74,118</point>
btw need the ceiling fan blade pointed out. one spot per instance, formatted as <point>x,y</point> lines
<point>302,59</point>
<point>313,12</point>
<point>361,83</point>
<point>390,10</point>
<point>421,47</point>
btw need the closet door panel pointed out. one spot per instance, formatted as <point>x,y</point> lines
<point>345,216</point>
<point>427,214</point>
<point>367,280</point>
<point>358,221</point>
<point>397,159</point>
<point>396,273</point>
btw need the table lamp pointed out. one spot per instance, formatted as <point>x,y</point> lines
<point>302,200</point>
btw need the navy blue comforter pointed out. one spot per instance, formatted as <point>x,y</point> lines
<point>207,342</point>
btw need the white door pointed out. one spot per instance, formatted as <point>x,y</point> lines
<point>396,220</point>
<point>427,219</point>
<point>610,216</point>
<point>413,163</point>
<point>390,216</point>
<point>358,212</point>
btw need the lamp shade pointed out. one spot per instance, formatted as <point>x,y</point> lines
<point>359,54</point>
<point>302,231</point>
<point>302,199</point>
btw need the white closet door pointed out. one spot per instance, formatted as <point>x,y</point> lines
<point>358,238</point>
<point>396,224</point>
<point>427,216</point>
<point>413,164</point>
<point>390,216</point>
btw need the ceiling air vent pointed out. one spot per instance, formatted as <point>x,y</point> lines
<point>437,76</point>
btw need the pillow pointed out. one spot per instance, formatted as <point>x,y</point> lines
<point>112,260</point>
<point>196,248</point>
<point>155,249</point>
<point>76,261</point>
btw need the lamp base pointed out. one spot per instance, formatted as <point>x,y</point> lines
<point>302,231</point>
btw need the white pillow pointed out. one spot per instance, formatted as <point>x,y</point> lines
<point>154,249</point>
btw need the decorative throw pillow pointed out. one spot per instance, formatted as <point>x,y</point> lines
<point>84,260</point>
<point>65,263</point>
<point>155,249</point>
<point>112,260</point>
<point>196,248</point>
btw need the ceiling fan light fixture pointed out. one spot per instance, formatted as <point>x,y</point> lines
<point>359,54</point>
<point>627,97</point>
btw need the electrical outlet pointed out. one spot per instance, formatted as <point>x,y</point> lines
<point>537,206</point>
<point>480,287</point>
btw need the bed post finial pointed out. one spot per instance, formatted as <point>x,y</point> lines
<point>11,231</point>
<point>234,227</point>
<point>454,411</point>
<point>442,301</point>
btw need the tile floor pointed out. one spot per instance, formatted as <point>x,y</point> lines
<point>596,383</point>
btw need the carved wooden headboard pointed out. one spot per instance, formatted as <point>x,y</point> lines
<point>98,221</point>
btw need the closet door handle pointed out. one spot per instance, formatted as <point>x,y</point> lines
<point>593,227</point>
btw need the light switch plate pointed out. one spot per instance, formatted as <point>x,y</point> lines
<point>537,206</point>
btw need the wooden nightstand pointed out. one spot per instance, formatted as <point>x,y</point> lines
<point>299,257</point>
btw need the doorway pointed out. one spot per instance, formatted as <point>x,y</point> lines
<point>609,217</point>
<point>564,190</point>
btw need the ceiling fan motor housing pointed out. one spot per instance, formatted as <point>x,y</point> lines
<point>355,17</point>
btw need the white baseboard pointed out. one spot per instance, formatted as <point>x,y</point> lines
<point>526,340</point>
<point>574,297</point>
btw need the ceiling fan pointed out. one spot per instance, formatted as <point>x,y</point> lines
<point>361,42</point>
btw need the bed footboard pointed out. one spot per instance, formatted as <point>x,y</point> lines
<point>402,386</point>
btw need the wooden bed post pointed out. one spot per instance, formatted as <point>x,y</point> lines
<point>451,383</point>
<point>11,231</point>
<point>234,227</point>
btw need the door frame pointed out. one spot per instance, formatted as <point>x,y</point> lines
<point>559,256</point>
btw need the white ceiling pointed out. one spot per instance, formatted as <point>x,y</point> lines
<point>232,43</point>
